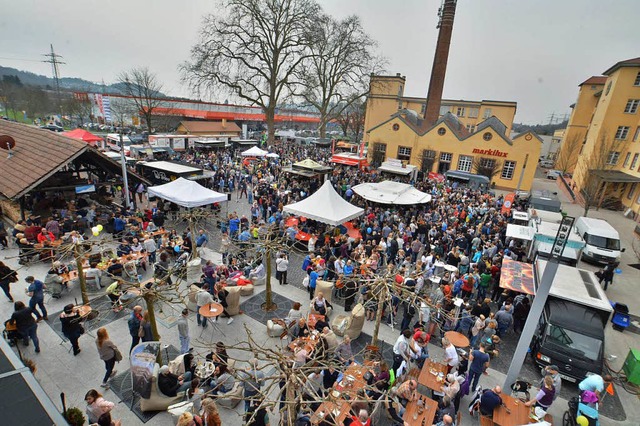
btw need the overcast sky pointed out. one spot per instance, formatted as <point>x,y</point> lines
<point>534,52</point>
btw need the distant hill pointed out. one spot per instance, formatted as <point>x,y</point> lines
<point>66,83</point>
<point>539,129</point>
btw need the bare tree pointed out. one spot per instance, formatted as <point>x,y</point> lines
<point>10,88</point>
<point>428,159</point>
<point>251,50</point>
<point>568,157</point>
<point>144,88</point>
<point>334,75</point>
<point>351,119</point>
<point>488,167</point>
<point>121,111</point>
<point>602,158</point>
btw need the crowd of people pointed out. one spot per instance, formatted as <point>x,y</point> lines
<point>462,228</point>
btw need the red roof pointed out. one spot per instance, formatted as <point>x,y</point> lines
<point>635,62</point>
<point>83,135</point>
<point>596,79</point>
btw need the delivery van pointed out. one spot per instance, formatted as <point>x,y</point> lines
<point>571,329</point>
<point>602,241</point>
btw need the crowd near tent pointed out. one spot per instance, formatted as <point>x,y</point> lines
<point>254,151</point>
<point>388,192</point>
<point>186,193</point>
<point>326,206</point>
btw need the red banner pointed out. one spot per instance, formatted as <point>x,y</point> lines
<point>508,202</point>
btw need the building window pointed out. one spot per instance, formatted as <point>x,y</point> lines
<point>487,136</point>
<point>404,153</point>
<point>487,113</point>
<point>471,128</point>
<point>636,135</point>
<point>637,82</point>
<point>632,189</point>
<point>634,162</point>
<point>632,106</point>
<point>593,87</point>
<point>395,127</point>
<point>487,163</point>
<point>442,131</point>
<point>508,169</point>
<point>446,157</point>
<point>627,158</point>
<point>464,163</point>
<point>473,112</point>
<point>606,92</point>
<point>460,111</point>
<point>444,109</point>
<point>622,132</point>
<point>613,158</point>
<point>380,147</point>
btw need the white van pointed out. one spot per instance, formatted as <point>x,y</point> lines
<point>602,241</point>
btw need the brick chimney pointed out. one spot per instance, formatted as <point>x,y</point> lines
<point>447,13</point>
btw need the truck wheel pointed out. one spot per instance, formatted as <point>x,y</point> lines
<point>567,420</point>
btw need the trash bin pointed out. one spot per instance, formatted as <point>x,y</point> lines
<point>620,318</point>
<point>631,366</point>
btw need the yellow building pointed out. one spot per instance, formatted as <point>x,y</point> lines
<point>608,163</point>
<point>386,97</point>
<point>469,136</point>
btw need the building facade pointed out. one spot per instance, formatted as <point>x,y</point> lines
<point>386,97</point>
<point>602,139</point>
<point>469,136</point>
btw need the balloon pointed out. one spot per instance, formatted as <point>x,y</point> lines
<point>369,230</point>
<point>96,233</point>
<point>582,421</point>
<point>100,228</point>
<point>176,249</point>
<point>95,230</point>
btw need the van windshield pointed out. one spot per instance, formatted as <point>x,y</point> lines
<point>603,242</point>
<point>573,343</point>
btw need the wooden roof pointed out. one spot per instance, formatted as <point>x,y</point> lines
<point>38,154</point>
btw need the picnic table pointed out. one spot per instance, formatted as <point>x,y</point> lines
<point>432,375</point>
<point>337,411</point>
<point>513,412</point>
<point>419,413</point>
<point>352,380</point>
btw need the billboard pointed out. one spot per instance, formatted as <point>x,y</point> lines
<point>143,360</point>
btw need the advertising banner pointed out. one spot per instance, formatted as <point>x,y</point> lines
<point>143,360</point>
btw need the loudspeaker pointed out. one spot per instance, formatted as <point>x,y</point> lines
<point>228,197</point>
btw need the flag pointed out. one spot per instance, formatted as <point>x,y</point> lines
<point>610,389</point>
<point>508,202</point>
<point>106,108</point>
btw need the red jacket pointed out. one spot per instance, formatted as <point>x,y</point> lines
<point>48,236</point>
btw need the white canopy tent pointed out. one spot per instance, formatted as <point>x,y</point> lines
<point>388,192</point>
<point>186,193</point>
<point>254,151</point>
<point>273,155</point>
<point>326,206</point>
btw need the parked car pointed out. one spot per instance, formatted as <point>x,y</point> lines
<point>53,128</point>
<point>547,164</point>
<point>554,174</point>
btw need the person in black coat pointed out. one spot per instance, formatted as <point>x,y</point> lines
<point>71,326</point>
<point>26,324</point>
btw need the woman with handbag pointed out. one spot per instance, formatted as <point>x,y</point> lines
<point>144,332</point>
<point>71,326</point>
<point>109,353</point>
<point>7,276</point>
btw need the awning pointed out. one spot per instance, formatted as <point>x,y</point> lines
<point>517,276</point>
<point>396,170</point>
<point>388,192</point>
<point>299,172</point>
<point>349,160</point>
<point>614,176</point>
<point>520,232</point>
<point>186,193</point>
<point>326,206</point>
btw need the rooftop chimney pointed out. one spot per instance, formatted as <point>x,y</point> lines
<point>439,70</point>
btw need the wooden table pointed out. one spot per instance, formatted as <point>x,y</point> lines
<point>310,343</point>
<point>429,380</point>
<point>84,310</point>
<point>358,372</point>
<point>50,245</point>
<point>458,340</point>
<point>211,310</point>
<point>336,412</point>
<point>519,413</point>
<point>412,417</point>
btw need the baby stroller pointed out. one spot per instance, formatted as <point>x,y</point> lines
<point>10,332</point>
<point>576,409</point>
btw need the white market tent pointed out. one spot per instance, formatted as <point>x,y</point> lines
<point>326,206</point>
<point>186,193</point>
<point>388,192</point>
<point>254,151</point>
<point>273,155</point>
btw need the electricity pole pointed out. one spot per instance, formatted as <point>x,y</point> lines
<point>54,60</point>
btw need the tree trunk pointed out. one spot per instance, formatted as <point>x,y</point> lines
<point>322,130</point>
<point>270,114</point>
<point>83,282</point>
<point>268,302</point>
<point>376,327</point>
